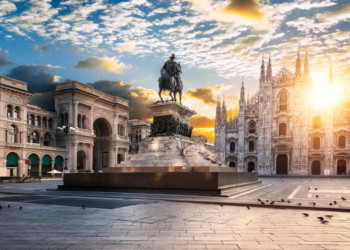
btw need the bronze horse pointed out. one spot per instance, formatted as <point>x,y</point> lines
<point>167,82</point>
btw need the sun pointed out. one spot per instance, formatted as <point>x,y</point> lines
<point>323,95</point>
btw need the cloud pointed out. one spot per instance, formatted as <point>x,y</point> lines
<point>199,121</point>
<point>339,11</point>
<point>110,64</point>
<point>205,94</point>
<point>250,9</point>
<point>4,58</point>
<point>127,46</point>
<point>42,48</point>
<point>40,79</point>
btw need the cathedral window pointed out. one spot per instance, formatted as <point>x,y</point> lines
<point>283,129</point>
<point>9,111</point>
<point>316,122</point>
<point>232,147</point>
<point>341,141</point>
<point>283,101</point>
<point>316,143</point>
<point>252,127</point>
<point>251,146</point>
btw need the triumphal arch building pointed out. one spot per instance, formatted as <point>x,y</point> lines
<point>86,132</point>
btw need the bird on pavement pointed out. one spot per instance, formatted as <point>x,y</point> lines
<point>259,200</point>
<point>335,202</point>
<point>324,221</point>
<point>272,202</point>
<point>305,214</point>
<point>316,188</point>
<point>288,201</point>
<point>262,203</point>
<point>299,204</point>
<point>343,198</point>
<point>282,200</point>
<point>316,196</point>
<point>320,218</point>
<point>331,204</point>
<point>314,203</point>
<point>248,207</point>
<point>329,216</point>
<point>267,200</point>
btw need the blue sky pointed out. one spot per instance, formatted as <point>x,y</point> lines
<point>127,42</point>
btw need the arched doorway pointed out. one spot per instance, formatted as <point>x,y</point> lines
<point>12,163</point>
<point>81,160</point>
<point>59,163</point>
<point>341,167</point>
<point>316,168</point>
<point>282,164</point>
<point>120,158</point>
<point>232,164</point>
<point>34,165</point>
<point>251,166</point>
<point>46,164</point>
<point>103,132</point>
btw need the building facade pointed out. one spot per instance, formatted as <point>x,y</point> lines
<point>33,141</point>
<point>280,131</point>
<point>138,130</point>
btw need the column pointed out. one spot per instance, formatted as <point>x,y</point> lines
<point>91,118</point>
<point>40,168</point>
<point>112,155</point>
<point>91,157</point>
<point>75,124</point>
<point>73,162</point>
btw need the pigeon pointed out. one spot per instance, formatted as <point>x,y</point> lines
<point>262,203</point>
<point>316,188</point>
<point>8,206</point>
<point>309,188</point>
<point>248,207</point>
<point>320,218</point>
<point>343,198</point>
<point>282,200</point>
<point>324,221</point>
<point>335,202</point>
<point>288,201</point>
<point>267,200</point>
<point>314,203</point>
<point>329,216</point>
<point>305,214</point>
<point>316,196</point>
<point>259,200</point>
<point>331,204</point>
<point>83,206</point>
<point>20,208</point>
<point>299,204</point>
<point>272,202</point>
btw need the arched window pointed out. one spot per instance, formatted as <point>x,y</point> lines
<point>84,121</point>
<point>13,134</point>
<point>50,123</point>
<point>9,111</point>
<point>35,137</point>
<point>251,146</point>
<point>341,141</point>
<point>316,144</point>
<point>38,121</point>
<point>12,160</point>
<point>32,120</point>
<point>17,112</point>
<point>47,140</point>
<point>283,129</point>
<point>66,119</point>
<point>79,121</point>
<point>283,101</point>
<point>252,127</point>
<point>44,122</point>
<point>232,146</point>
<point>316,122</point>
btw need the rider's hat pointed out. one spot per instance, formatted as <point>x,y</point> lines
<point>172,55</point>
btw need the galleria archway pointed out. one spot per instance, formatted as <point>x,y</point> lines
<point>103,132</point>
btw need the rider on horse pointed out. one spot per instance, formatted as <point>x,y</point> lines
<point>170,68</point>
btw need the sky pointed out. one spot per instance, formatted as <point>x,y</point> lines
<point>119,46</point>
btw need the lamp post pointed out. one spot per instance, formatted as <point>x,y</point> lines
<point>66,130</point>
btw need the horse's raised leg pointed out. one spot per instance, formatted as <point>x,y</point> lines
<point>160,94</point>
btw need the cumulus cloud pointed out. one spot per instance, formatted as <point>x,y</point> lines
<point>110,64</point>
<point>199,121</point>
<point>128,46</point>
<point>340,11</point>
<point>206,94</point>
<point>250,9</point>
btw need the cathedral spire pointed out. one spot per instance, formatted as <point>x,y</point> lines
<point>218,113</point>
<point>242,98</point>
<point>306,64</point>
<point>298,66</point>
<point>224,111</point>
<point>262,71</point>
<point>269,70</point>
<point>330,74</point>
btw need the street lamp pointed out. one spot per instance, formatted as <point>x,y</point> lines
<point>66,130</point>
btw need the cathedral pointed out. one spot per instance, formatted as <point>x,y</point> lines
<point>279,132</point>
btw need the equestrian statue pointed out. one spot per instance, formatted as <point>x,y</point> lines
<point>170,79</point>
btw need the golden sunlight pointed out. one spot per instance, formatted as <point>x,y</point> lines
<point>323,95</point>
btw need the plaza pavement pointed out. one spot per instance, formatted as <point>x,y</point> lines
<point>49,221</point>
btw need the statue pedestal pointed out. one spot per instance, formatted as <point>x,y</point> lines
<point>171,118</point>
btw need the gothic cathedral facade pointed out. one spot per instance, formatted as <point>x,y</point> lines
<point>278,131</point>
